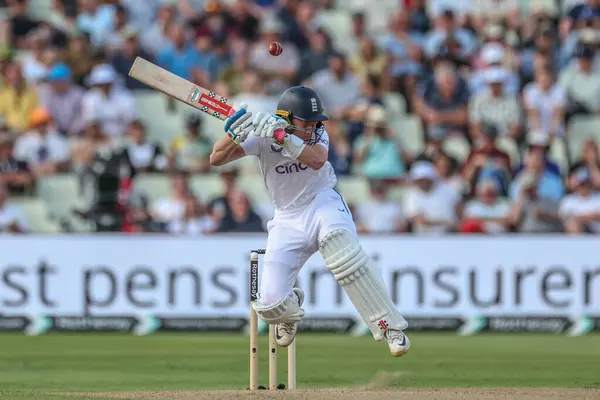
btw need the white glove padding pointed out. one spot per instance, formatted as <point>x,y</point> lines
<point>239,125</point>
<point>266,124</point>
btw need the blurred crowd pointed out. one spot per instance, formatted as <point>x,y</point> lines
<point>491,89</point>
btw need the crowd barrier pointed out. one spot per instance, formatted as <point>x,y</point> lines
<point>144,284</point>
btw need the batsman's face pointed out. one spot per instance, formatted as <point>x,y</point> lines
<point>304,129</point>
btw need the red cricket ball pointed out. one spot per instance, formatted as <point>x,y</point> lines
<point>275,49</point>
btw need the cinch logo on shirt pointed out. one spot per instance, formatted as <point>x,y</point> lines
<point>291,168</point>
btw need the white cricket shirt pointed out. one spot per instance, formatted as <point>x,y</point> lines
<point>290,183</point>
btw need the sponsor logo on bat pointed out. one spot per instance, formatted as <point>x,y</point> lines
<point>195,96</point>
<point>214,105</point>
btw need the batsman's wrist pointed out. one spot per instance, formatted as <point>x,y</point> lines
<point>235,138</point>
<point>293,144</point>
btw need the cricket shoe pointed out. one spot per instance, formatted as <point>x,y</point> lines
<point>285,332</point>
<point>397,342</point>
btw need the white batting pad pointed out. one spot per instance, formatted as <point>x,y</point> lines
<point>285,310</point>
<point>350,266</point>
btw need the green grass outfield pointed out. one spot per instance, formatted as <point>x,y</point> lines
<point>111,362</point>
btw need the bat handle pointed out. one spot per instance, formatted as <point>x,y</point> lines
<point>279,135</point>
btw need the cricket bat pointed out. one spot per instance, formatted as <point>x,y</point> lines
<point>181,89</point>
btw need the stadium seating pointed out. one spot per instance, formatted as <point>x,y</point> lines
<point>581,128</point>
<point>355,189</point>
<point>409,130</point>
<point>457,147</point>
<point>36,214</point>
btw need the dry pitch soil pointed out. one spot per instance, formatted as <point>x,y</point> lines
<point>359,394</point>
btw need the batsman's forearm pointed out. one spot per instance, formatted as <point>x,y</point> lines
<point>312,158</point>
<point>224,151</point>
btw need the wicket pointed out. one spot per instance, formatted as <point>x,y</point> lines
<point>254,354</point>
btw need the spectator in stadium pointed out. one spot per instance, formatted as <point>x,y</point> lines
<point>487,208</point>
<point>200,58</point>
<point>15,175</point>
<point>180,56</point>
<point>233,76</point>
<point>434,143</point>
<point>582,32</point>
<point>486,161</point>
<point>443,100</point>
<point>447,170</point>
<point>369,60</point>
<point>21,24</point>
<point>195,220</point>
<point>219,207</point>
<point>380,214</point>
<point>493,56</point>
<point>222,57</point>
<point>315,57</point>
<point>544,44</point>
<point>79,57</point>
<point>371,95</point>
<point>485,11</point>
<point>404,49</point>
<point>445,25</point>
<point>142,155</point>
<point>108,102</point>
<point>142,15</point>
<point>137,218</point>
<point>119,31</point>
<point>581,84</point>
<point>278,72</point>
<point>242,217</point>
<point>532,214</point>
<point>550,186</point>
<point>430,205</point>
<point>37,58</point>
<point>340,152</point>
<point>540,142</point>
<point>12,219</point>
<point>378,154</point>
<point>63,99</point>
<point>245,15</point>
<point>494,43</point>
<point>576,8</point>
<point>545,103</point>
<point>95,143</point>
<point>17,98</point>
<point>495,107</point>
<point>123,57</point>
<point>580,211</point>
<point>157,37</point>
<point>338,88</point>
<point>172,208</point>
<point>190,152</point>
<point>44,149</point>
<point>296,18</point>
<point>590,159</point>
<point>98,20</point>
<point>358,25</point>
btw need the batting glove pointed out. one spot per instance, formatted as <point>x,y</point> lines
<point>266,124</point>
<point>239,125</point>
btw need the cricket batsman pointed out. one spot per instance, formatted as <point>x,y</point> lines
<point>310,216</point>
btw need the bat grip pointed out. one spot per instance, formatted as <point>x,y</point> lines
<point>279,135</point>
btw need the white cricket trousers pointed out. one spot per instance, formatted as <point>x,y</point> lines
<point>294,236</point>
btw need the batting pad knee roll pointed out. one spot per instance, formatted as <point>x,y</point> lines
<point>284,310</point>
<point>349,264</point>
